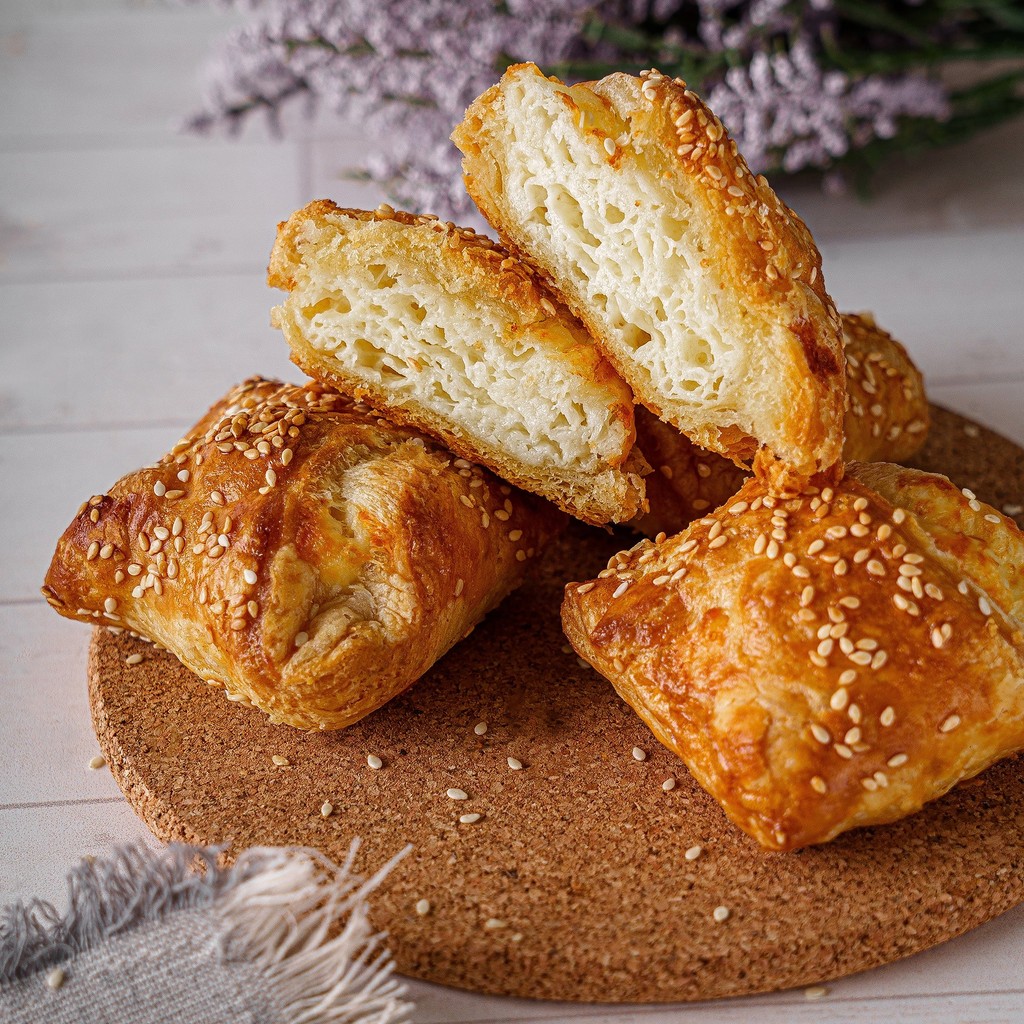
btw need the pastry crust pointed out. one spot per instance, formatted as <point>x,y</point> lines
<point>701,286</point>
<point>887,418</point>
<point>821,662</point>
<point>443,330</point>
<point>295,549</point>
<point>886,421</point>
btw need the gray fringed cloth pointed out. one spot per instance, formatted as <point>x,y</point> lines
<point>281,937</point>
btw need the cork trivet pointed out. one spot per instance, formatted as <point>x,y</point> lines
<point>574,882</point>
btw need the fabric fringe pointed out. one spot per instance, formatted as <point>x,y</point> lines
<point>301,920</point>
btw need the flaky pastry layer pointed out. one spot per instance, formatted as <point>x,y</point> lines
<point>822,661</point>
<point>299,551</point>
<point>446,331</point>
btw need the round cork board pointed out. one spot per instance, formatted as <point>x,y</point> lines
<point>573,884</point>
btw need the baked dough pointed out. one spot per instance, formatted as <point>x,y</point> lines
<point>445,331</point>
<point>887,420</point>
<point>701,286</point>
<point>293,548</point>
<point>821,662</point>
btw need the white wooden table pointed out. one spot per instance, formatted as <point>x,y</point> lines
<point>132,294</point>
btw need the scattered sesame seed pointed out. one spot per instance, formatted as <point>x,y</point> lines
<point>301,638</point>
<point>159,488</point>
<point>480,728</point>
<point>639,755</point>
<point>280,760</point>
<point>721,914</point>
<point>373,761</point>
<point>668,785</point>
<point>97,762</point>
<point>820,733</point>
<point>249,576</point>
<point>470,819</point>
<point>493,923</point>
<point>55,978</point>
<point>326,809</point>
<point>621,589</point>
<point>818,784</point>
<point>423,907</point>
<point>887,717</point>
<point>457,794</point>
<point>133,659</point>
<point>950,723</point>
<point>609,147</point>
<point>513,762</point>
<point>897,760</point>
<point>815,992</point>
<point>693,852</point>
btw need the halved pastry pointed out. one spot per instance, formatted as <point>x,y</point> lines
<point>700,285</point>
<point>309,557</point>
<point>822,661</point>
<point>447,332</point>
<point>887,420</point>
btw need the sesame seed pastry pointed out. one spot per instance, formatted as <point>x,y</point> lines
<point>702,287</point>
<point>886,420</point>
<point>822,661</point>
<point>444,330</point>
<point>307,556</point>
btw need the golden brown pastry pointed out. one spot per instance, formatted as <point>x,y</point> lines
<point>310,558</point>
<point>702,287</point>
<point>887,420</point>
<point>825,661</point>
<point>445,331</point>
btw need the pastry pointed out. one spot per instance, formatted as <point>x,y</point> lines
<point>822,661</point>
<point>887,420</point>
<point>447,332</point>
<point>700,285</point>
<point>298,551</point>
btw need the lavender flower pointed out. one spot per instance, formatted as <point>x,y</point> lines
<point>407,69</point>
<point>785,110</point>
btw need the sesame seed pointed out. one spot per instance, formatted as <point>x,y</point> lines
<point>249,576</point>
<point>470,819</point>
<point>621,589</point>
<point>950,723</point>
<point>609,147</point>
<point>898,516</point>
<point>457,794</point>
<point>897,760</point>
<point>514,763</point>
<point>326,809</point>
<point>820,733</point>
<point>721,914</point>
<point>639,755</point>
<point>159,488</point>
<point>818,784</point>
<point>887,717</point>
<point>301,638</point>
<point>876,568</point>
<point>839,700</point>
<point>984,606</point>
<point>133,659</point>
<point>847,677</point>
<point>693,852</point>
<point>843,751</point>
<point>668,785</point>
<point>97,762</point>
<point>280,760</point>
<point>423,907</point>
<point>55,978</point>
<point>480,728</point>
<point>494,922</point>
